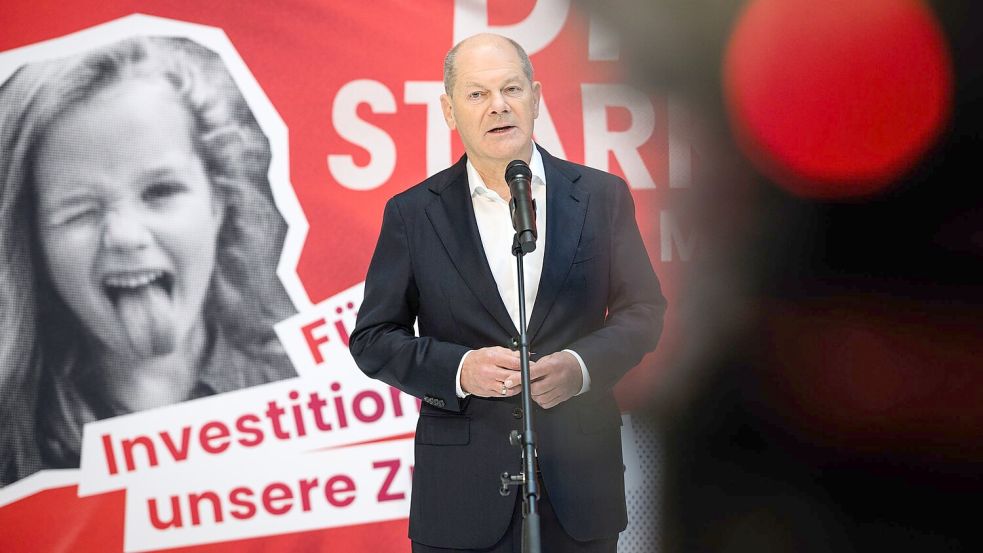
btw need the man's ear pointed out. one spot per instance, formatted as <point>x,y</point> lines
<point>448,109</point>
<point>537,90</point>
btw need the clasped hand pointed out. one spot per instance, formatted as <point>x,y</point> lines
<point>494,372</point>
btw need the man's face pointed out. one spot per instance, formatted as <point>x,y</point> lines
<point>493,103</point>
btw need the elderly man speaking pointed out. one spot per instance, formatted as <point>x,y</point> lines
<point>444,261</point>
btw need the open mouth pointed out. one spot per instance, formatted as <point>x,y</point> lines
<point>116,285</point>
<point>501,130</point>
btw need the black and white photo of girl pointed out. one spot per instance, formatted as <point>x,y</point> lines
<point>139,241</point>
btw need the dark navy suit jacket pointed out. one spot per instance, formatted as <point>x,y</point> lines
<point>598,296</point>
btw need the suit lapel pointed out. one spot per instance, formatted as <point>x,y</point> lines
<point>566,209</point>
<point>452,216</point>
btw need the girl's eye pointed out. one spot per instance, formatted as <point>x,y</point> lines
<point>71,215</point>
<point>161,191</point>
<point>77,216</point>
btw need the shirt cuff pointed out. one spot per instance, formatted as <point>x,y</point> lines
<point>583,370</point>
<point>457,379</point>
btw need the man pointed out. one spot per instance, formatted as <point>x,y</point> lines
<point>594,303</point>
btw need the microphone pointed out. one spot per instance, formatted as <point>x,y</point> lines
<point>523,207</point>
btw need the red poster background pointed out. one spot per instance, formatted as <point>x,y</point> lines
<point>302,52</point>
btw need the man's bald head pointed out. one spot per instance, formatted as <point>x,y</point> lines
<point>484,39</point>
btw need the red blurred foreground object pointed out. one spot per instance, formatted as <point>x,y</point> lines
<point>879,374</point>
<point>835,99</point>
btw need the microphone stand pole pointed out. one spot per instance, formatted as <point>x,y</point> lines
<point>531,542</point>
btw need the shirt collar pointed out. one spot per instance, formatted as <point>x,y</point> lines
<point>477,186</point>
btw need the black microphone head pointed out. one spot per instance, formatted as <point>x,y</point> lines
<point>515,168</point>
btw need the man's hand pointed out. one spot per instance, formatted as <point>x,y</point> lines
<point>486,372</point>
<point>555,378</point>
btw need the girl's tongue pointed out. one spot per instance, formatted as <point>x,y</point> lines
<point>148,319</point>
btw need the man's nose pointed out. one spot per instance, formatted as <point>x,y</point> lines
<point>124,230</point>
<point>498,103</point>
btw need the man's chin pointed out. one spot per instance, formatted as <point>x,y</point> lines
<point>519,148</point>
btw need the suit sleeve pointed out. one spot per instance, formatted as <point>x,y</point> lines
<point>383,343</point>
<point>636,305</point>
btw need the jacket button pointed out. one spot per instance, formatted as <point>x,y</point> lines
<point>517,412</point>
<point>514,344</point>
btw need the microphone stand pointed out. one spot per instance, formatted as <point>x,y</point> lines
<point>531,542</point>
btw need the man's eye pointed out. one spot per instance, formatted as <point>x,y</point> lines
<point>162,191</point>
<point>474,95</point>
<point>513,90</point>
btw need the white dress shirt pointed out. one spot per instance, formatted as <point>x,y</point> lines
<point>494,219</point>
